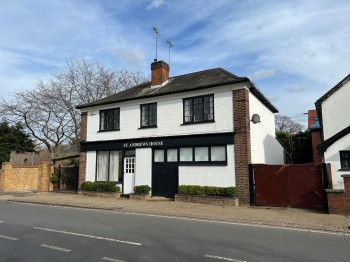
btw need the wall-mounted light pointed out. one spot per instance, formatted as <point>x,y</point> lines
<point>92,113</point>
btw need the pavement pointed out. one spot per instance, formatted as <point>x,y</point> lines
<point>262,216</point>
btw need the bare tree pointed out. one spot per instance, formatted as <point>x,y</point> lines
<point>286,124</point>
<point>48,110</point>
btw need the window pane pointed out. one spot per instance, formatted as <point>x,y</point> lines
<point>116,119</point>
<point>102,121</point>
<point>158,155</point>
<point>218,153</point>
<point>172,155</point>
<point>102,166</point>
<point>114,166</point>
<point>201,154</point>
<point>186,154</point>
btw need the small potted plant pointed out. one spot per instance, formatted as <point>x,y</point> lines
<point>141,192</point>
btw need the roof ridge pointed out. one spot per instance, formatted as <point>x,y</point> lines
<point>193,73</point>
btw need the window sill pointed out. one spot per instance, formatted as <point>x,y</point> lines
<point>203,163</point>
<point>195,123</point>
<point>145,127</point>
<point>102,131</point>
<point>344,169</point>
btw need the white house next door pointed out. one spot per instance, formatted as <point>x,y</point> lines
<point>129,175</point>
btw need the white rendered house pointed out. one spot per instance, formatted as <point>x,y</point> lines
<point>192,129</point>
<point>333,113</point>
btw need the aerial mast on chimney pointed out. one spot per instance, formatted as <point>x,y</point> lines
<point>156,31</point>
<point>170,45</point>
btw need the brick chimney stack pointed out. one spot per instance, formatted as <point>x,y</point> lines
<point>160,73</point>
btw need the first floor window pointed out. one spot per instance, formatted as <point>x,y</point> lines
<point>149,115</point>
<point>108,166</point>
<point>198,109</point>
<point>345,159</point>
<point>109,119</point>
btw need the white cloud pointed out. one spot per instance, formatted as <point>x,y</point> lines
<point>263,73</point>
<point>133,57</point>
<point>155,4</point>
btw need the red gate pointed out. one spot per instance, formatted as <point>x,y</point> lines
<point>299,186</point>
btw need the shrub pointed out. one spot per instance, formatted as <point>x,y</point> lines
<point>143,189</point>
<point>100,186</point>
<point>208,191</point>
<point>54,178</point>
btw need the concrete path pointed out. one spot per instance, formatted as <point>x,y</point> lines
<point>280,217</point>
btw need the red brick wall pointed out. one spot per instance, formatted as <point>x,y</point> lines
<point>160,73</point>
<point>82,161</point>
<point>339,200</point>
<point>242,142</point>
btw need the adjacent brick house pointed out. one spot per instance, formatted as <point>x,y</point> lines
<point>193,129</point>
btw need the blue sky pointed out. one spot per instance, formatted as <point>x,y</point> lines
<point>294,51</point>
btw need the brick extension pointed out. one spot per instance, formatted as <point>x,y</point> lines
<point>339,199</point>
<point>242,142</point>
<point>82,163</point>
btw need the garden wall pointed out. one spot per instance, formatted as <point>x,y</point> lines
<point>36,178</point>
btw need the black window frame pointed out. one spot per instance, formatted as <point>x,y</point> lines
<point>115,113</point>
<point>120,179</point>
<point>342,158</point>
<point>149,115</point>
<point>202,163</point>
<point>192,109</point>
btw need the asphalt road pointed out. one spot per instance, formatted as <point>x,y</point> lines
<point>49,233</point>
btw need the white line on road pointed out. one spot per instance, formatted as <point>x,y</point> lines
<point>224,258</point>
<point>1,221</point>
<point>56,248</point>
<point>112,259</point>
<point>9,238</point>
<point>90,236</point>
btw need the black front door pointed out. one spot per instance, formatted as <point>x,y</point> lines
<point>165,178</point>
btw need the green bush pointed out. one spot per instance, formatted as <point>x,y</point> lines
<point>208,191</point>
<point>143,189</point>
<point>100,186</point>
<point>54,178</point>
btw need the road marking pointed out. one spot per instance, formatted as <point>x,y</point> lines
<point>112,259</point>
<point>89,236</point>
<point>1,221</point>
<point>224,258</point>
<point>56,248</point>
<point>9,238</point>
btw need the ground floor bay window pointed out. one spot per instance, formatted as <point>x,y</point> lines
<point>108,166</point>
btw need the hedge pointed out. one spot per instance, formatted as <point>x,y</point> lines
<point>100,186</point>
<point>208,191</point>
<point>142,189</point>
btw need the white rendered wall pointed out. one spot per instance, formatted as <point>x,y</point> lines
<point>143,168</point>
<point>265,149</point>
<point>169,117</point>
<point>332,156</point>
<point>335,111</point>
<point>90,166</point>
<point>221,176</point>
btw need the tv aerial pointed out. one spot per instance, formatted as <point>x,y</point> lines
<point>170,45</point>
<point>156,31</point>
